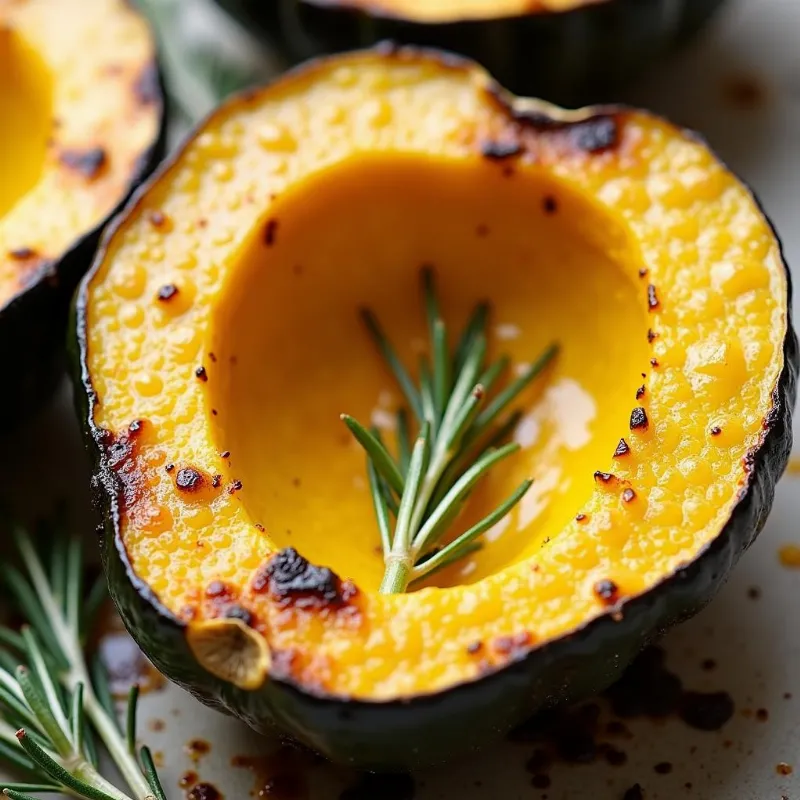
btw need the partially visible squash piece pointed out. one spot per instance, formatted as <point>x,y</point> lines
<point>82,115</point>
<point>567,51</point>
<point>235,501</point>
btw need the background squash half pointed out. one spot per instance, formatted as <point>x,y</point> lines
<point>567,51</point>
<point>81,123</point>
<point>291,195</point>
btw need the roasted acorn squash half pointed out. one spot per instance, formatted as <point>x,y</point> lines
<point>218,341</point>
<point>82,116</point>
<point>565,50</point>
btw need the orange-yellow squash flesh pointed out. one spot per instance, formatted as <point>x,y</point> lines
<point>223,342</point>
<point>80,107</point>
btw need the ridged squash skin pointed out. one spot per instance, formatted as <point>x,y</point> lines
<point>287,671</point>
<point>569,53</point>
<point>104,135</point>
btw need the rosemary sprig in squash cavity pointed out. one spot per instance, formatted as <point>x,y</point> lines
<point>462,425</point>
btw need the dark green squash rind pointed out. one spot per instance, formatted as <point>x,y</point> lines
<point>431,728</point>
<point>569,57</point>
<point>34,323</point>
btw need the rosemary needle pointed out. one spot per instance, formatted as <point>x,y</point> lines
<point>51,703</point>
<point>461,433</point>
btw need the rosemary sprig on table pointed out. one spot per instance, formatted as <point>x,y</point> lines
<point>52,702</point>
<point>460,437</point>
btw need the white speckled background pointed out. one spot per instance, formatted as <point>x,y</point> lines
<point>739,85</point>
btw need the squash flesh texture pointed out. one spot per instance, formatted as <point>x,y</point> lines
<point>25,100</point>
<point>434,11</point>
<point>292,354</point>
<point>721,321</point>
<point>87,66</point>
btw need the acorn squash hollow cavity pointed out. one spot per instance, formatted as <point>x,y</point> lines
<point>83,122</point>
<point>218,340</point>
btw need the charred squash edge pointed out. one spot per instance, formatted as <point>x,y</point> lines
<point>391,734</point>
<point>571,56</point>
<point>34,322</point>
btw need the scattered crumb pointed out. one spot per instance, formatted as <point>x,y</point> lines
<point>789,556</point>
<point>746,92</point>
<point>782,768</point>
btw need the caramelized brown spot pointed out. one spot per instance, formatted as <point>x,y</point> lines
<point>158,219</point>
<point>204,791</point>
<point>716,430</point>
<point>482,230</point>
<point>270,232</point>
<point>225,454</point>
<point>169,467</point>
<point>147,87</point>
<point>189,479</point>
<point>640,392</point>
<point>260,527</point>
<point>89,163</point>
<point>218,589</point>
<point>188,779</point>
<point>22,253</point>
<point>643,271</point>
<point>216,480</point>
<point>653,362</point>
<point>651,335</point>
<point>474,647</point>
<point>622,449</point>
<point>639,419</point>
<point>580,517</point>
<point>167,292</point>
<point>745,92</point>
<point>607,591</point>
<point>550,204</point>
<point>234,487</point>
<point>201,374</point>
<point>652,297</point>
<point>293,580</point>
<point>512,644</point>
<point>628,496</point>
<point>496,151</point>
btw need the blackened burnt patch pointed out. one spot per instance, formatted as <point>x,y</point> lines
<point>593,135</point>
<point>652,297</point>
<point>147,87</point>
<point>607,591</point>
<point>496,151</point>
<point>639,419</point>
<point>167,292</point>
<point>622,449</point>
<point>88,163</point>
<point>270,232</point>
<point>596,134</point>
<point>189,480</point>
<point>293,580</point>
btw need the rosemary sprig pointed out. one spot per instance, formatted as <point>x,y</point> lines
<point>51,705</point>
<point>459,440</point>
